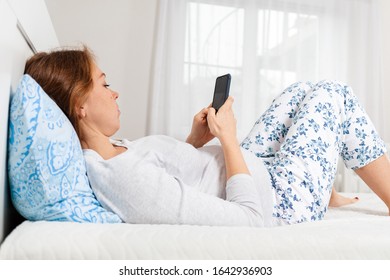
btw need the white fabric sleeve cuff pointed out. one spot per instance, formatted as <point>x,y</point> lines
<point>241,189</point>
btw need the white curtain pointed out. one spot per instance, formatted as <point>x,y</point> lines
<point>265,45</point>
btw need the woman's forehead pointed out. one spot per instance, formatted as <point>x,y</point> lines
<point>97,73</point>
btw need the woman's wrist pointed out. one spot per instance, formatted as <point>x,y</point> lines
<point>234,160</point>
<point>230,141</point>
<point>191,140</point>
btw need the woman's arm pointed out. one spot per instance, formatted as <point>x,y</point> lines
<point>145,193</point>
<point>234,160</point>
<point>223,126</point>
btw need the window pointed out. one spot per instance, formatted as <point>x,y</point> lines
<point>257,45</point>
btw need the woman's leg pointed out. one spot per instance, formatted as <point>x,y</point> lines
<point>337,200</point>
<point>364,151</point>
<point>327,122</point>
<point>377,176</point>
<point>304,168</point>
<point>271,128</point>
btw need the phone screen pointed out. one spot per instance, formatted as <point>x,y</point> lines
<point>221,91</point>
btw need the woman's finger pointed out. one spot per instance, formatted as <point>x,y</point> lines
<point>211,116</point>
<point>228,103</point>
<point>210,112</point>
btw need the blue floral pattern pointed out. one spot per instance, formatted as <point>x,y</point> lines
<point>301,137</point>
<point>46,167</point>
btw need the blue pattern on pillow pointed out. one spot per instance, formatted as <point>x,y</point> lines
<point>46,167</point>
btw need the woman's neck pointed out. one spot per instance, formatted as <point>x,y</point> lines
<point>102,145</point>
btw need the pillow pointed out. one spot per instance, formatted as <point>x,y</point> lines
<point>46,167</point>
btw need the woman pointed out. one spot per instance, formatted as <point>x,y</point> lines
<point>282,173</point>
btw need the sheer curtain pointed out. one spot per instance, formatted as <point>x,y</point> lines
<point>265,45</point>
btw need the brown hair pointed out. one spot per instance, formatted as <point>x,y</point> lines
<point>65,75</point>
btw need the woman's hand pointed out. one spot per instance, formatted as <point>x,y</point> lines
<point>200,132</point>
<point>223,124</point>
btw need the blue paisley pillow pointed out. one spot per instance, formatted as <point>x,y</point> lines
<point>46,167</point>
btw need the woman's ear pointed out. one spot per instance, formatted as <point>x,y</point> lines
<point>81,112</point>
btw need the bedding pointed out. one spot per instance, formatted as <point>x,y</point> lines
<point>46,168</point>
<point>358,231</point>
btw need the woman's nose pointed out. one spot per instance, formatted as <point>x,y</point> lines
<point>115,95</point>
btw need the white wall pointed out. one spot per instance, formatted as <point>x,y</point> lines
<point>120,33</point>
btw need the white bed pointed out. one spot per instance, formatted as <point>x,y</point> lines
<point>359,231</point>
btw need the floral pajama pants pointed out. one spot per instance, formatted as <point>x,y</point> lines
<point>301,138</point>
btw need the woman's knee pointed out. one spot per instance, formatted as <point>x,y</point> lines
<point>334,86</point>
<point>294,94</point>
<point>299,86</point>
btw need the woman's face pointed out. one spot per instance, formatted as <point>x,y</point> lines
<point>101,112</point>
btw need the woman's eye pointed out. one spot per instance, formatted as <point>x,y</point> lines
<point>106,85</point>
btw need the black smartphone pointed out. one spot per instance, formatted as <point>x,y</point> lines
<point>221,91</point>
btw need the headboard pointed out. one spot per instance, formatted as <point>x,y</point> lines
<point>25,28</point>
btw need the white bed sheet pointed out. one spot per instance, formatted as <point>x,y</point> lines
<point>359,231</point>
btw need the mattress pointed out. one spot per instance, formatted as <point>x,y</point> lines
<point>358,231</point>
